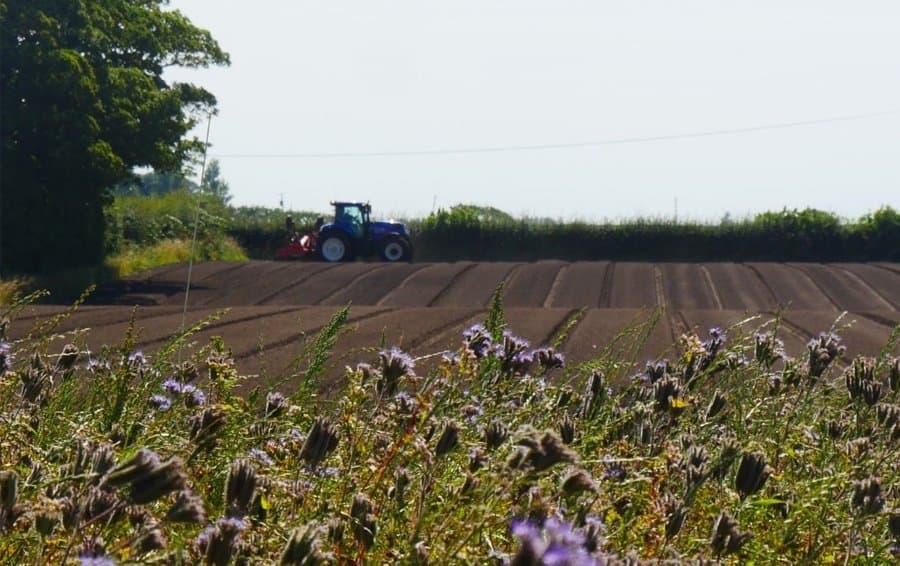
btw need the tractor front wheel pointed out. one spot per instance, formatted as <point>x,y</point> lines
<point>395,249</point>
<point>334,247</point>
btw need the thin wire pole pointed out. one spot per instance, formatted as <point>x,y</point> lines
<point>187,286</point>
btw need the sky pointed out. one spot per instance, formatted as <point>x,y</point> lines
<point>797,104</point>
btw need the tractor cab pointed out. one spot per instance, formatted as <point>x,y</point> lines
<point>353,233</point>
<point>353,216</point>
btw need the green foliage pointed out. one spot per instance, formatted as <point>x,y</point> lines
<point>730,451</point>
<point>468,232</point>
<point>144,232</point>
<point>84,103</point>
<point>260,230</point>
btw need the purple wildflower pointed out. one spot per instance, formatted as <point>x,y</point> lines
<point>261,456</point>
<point>173,386</point>
<point>549,358</point>
<point>657,370</point>
<point>396,360</point>
<point>395,363</point>
<point>137,359</point>
<point>96,366</point>
<point>477,340</point>
<point>161,402</point>
<point>512,355</point>
<point>406,403</point>
<point>195,398</point>
<point>553,543</point>
<point>823,350</point>
<point>202,540</point>
<point>716,341</point>
<point>85,560</point>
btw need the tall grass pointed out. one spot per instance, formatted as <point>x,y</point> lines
<point>730,450</point>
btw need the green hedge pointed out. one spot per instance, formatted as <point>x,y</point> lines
<point>467,232</point>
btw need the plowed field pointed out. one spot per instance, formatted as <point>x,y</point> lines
<point>269,308</point>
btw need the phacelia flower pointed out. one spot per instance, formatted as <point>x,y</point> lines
<point>161,402</point>
<point>554,542</point>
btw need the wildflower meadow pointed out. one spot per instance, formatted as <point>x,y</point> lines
<point>727,450</point>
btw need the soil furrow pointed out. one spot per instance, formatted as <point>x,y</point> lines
<point>658,281</point>
<point>475,287</point>
<point>884,283</point>
<point>845,292</point>
<point>456,277</point>
<point>280,292</point>
<point>551,293</point>
<point>557,328</point>
<point>371,287</point>
<point>763,281</point>
<point>712,288</point>
<point>606,287</point>
<point>400,286</point>
<point>530,283</point>
<point>266,346</point>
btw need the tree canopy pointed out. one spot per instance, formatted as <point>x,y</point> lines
<point>84,102</point>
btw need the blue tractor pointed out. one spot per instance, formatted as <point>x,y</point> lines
<point>353,233</point>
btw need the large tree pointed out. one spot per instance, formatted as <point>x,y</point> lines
<point>84,102</point>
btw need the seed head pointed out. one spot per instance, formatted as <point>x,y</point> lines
<point>151,538</point>
<point>5,357</point>
<point>158,482</point>
<point>45,520</point>
<point>594,394</point>
<point>894,525</point>
<point>716,404</point>
<point>139,465</point>
<point>867,496</point>
<point>541,450</point>
<point>548,358</point>
<point>302,548</point>
<point>220,542</point>
<point>9,490</point>
<point>401,482</point>
<point>888,415</point>
<point>394,364</point>
<point>321,440</point>
<point>449,438</point>
<point>823,350</point>
<point>67,358</point>
<point>676,513</point>
<point>752,473</point>
<point>276,404</point>
<point>364,526</point>
<point>894,374</point>
<point>206,427</point>
<point>567,429</point>
<point>239,488</point>
<point>495,434</point>
<point>97,503</point>
<point>188,508</point>
<point>726,537</point>
<point>577,481</point>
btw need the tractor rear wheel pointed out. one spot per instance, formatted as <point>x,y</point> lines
<point>394,249</point>
<point>334,246</point>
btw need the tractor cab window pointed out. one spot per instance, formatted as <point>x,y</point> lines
<point>351,216</point>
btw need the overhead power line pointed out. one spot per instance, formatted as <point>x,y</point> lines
<point>546,146</point>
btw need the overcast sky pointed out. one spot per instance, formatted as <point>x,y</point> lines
<point>398,76</point>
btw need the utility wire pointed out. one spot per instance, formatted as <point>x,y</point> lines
<point>512,148</point>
